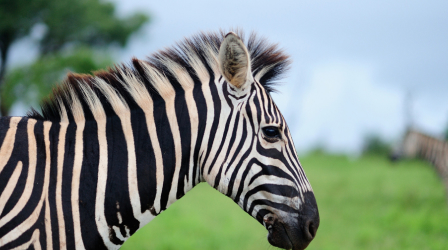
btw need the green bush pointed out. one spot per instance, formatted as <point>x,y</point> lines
<point>374,144</point>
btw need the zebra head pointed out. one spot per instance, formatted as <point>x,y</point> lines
<point>256,163</point>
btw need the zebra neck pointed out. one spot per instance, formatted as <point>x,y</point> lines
<point>133,167</point>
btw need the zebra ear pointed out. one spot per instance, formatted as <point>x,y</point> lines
<point>234,61</point>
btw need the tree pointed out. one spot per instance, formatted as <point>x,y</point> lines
<point>68,24</point>
<point>375,145</point>
<point>30,83</point>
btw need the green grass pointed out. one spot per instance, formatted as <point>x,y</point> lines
<point>366,203</point>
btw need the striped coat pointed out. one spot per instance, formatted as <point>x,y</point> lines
<point>111,151</point>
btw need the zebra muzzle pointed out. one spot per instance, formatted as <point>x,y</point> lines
<point>294,231</point>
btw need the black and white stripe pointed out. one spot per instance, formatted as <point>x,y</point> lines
<point>111,151</point>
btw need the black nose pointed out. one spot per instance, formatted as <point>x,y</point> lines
<point>298,232</point>
<point>310,216</point>
<point>311,229</point>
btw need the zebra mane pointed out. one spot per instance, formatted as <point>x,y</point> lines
<point>82,96</point>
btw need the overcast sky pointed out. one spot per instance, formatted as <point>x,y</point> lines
<point>354,62</point>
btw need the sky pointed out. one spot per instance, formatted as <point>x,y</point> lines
<point>358,66</point>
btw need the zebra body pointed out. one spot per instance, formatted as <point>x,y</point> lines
<point>417,144</point>
<point>112,151</point>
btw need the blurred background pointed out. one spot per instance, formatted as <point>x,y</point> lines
<point>362,72</point>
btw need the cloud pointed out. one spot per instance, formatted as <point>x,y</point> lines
<point>342,103</point>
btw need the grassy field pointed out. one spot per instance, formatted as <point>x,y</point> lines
<point>365,203</point>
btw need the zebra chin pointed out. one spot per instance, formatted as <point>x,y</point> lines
<point>294,229</point>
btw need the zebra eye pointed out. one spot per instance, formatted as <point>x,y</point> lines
<point>271,133</point>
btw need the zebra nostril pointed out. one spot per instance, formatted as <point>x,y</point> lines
<point>310,217</point>
<point>310,229</point>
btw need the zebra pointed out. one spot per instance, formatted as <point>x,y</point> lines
<point>417,144</point>
<point>110,151</point>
